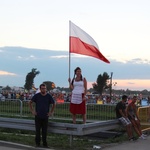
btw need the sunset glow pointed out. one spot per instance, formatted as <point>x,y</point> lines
<point>6,73</point>
<point>128,84</point>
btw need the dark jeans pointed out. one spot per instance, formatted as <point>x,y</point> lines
<point>41,123</point>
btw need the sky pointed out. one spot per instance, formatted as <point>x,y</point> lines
<point>121,28</point>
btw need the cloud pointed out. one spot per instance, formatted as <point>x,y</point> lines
<point>131,61</point>
<point>32,56</point>
<point>127,73</point>
<point>60,56</point>
<point>66,56</point>
<point>130,83</point>
<point>5,73</point>
<point>139,61</point>
<point>19,57</point>
<point>1,51</point>
<point>26,58</point>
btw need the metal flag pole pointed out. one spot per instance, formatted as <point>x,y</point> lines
<point>69,48</point>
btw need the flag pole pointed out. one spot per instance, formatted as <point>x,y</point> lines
<point>69,47</point>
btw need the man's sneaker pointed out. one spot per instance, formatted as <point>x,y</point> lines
<point>142,137</point>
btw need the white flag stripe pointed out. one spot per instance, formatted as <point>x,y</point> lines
<point>82,35</point>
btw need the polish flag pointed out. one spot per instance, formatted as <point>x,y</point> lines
<point>84,44</point>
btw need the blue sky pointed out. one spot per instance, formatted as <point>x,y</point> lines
<point>120,28</point>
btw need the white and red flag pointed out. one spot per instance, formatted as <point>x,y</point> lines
<point>82,43</point>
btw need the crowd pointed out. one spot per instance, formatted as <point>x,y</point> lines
<point>16,95</point>
<point>66,97</point>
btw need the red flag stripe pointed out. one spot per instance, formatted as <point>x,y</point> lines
<point>79,47</point>
<point>82,43</point>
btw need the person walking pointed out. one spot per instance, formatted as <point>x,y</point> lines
<point>133,116</point>
<point>122,117</point>
<point>78,85</point>
<point>42,111</point>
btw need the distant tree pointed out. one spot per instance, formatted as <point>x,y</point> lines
<point>7,88</point>
<point>30,78</point>
<point>66,89</point>
<point>101,83</point>
<point>144,92</point>
<point>50,85</point>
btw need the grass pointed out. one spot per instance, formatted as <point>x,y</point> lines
<point>58,141</point>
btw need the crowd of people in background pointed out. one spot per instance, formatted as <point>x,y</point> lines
<point>16,95</point>
<point>65,97</point>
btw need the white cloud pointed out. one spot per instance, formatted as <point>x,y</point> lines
<point>6,73</point>
<point>26,58</point>
<point>78,55</point>
<point>120,60</point>
<point>138,61</point>
<point>60,56</point>
<point>132,61</point>
<point>66,56</point>
<point>19,57</point>
<point>32,56</point>
<point>130,83</point>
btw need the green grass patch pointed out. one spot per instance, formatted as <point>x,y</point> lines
<point>57,141</point>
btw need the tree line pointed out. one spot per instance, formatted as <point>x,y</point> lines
<point>102,85</point>
<point>99,86</point>
<point>29,82</point>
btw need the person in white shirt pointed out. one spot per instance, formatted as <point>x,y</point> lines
<point>78,85</point>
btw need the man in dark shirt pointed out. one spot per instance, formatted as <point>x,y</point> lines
<point>42,101</point>
<point>122,116</point>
